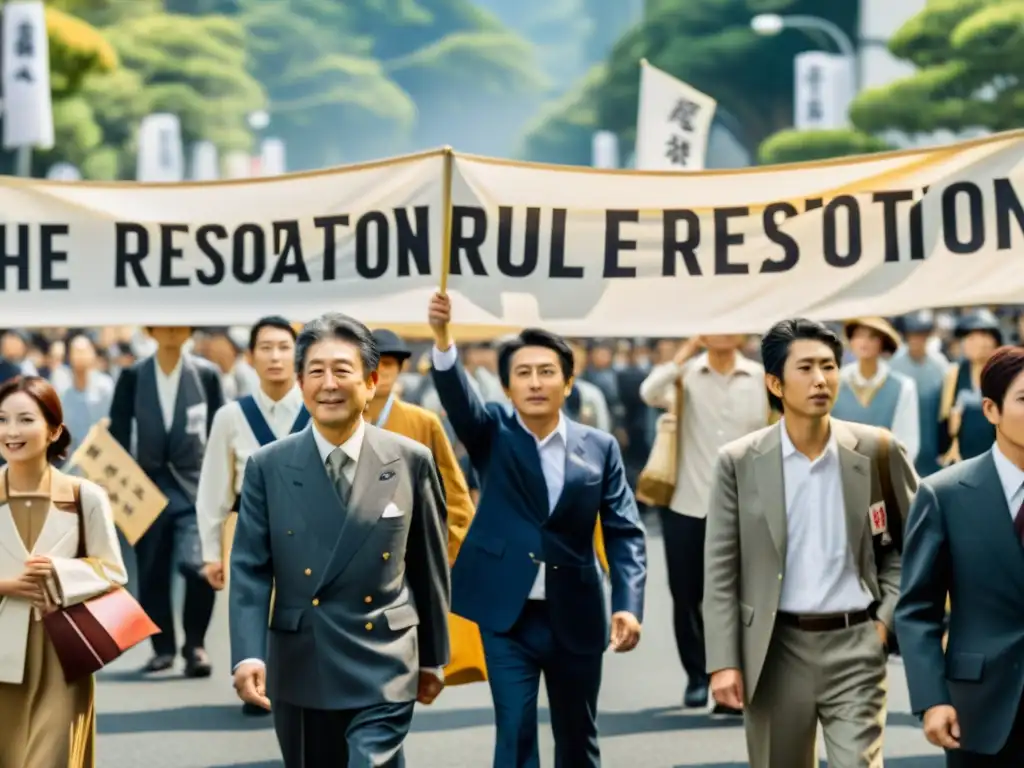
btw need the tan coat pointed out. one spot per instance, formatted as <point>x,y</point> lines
<point>745,548</point>
<point>76,580</point>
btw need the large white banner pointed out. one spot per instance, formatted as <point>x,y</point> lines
<point>580,251</point>
<point>27,107</point>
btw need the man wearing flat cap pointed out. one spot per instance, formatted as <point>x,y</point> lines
<point>870,392</point>
<point>388,412</point>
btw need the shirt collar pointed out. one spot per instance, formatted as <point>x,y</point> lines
<point>1010,475</point>
<point>291,401</point>
<point>351,447</point>
<point>852,371</point>
<point>788,449</point>
<point>741,365</point>
<point>561,430</point>
<point>175,371</point>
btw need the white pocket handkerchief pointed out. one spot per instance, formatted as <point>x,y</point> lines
<point>392,511</point>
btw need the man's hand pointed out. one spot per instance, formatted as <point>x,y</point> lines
<point>941,727</point>
<point>39,568</point>
<point>214,575</point>
<point>625,632</point>
<point>727,688</point>
<point>688,349</point>
<point>251,684</point>
<point>430,687</point>
<point>439,315</point>
<point>883,634</point>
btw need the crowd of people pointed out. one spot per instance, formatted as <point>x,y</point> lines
<point>466,509</point>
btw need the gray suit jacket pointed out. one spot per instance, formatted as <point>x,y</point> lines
<point>361,601</point>
<point>745,546</point>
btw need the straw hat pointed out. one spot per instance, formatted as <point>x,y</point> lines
<point>890,339</point>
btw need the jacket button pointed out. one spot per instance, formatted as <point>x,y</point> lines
<point>316,602</point>
<point>369,626</point>
<point>289,533</point>
<point>367,599</point>
<point>386,555</point>
<point>309,572</point>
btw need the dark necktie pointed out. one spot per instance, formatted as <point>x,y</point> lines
<point>1018,524</point>
<point>336,469</point>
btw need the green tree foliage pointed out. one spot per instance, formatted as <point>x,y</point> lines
<point>709,44</point>
<point>791,146</point>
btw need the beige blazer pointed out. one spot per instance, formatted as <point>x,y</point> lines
<point>745,547</point>
<point>76,580</point>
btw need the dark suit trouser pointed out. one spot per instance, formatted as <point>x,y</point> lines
<point>515,661</point>
<point>348,738</point>
<point>684,558</point>
<point>172,542</point>
<point>1010,756</point>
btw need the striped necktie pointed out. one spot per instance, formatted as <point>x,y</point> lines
<point>336,464</point>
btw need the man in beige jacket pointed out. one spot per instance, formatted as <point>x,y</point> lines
<point>802,566</point>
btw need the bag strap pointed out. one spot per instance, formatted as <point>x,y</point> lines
<point>888,493</point>
<point>83,549</point>
<point>260,429</point>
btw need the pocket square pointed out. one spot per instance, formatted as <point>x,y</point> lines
<point>387,475</point>
<point>392,511</point>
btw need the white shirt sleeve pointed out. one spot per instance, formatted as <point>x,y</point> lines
<point>444,360</point>
<point>657,389</point>
<point>216,493</point>
<point>906,425</point>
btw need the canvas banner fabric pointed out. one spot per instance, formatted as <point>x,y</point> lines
<point>580,251</point>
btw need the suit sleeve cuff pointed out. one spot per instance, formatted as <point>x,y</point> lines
<point>444,360</point>
<point>437,672</point>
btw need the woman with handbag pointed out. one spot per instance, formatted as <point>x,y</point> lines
<point>46,722</point>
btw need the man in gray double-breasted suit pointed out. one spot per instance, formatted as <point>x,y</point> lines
<point>345,524</point>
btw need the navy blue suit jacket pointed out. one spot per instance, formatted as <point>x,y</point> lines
<point>960,539</point>
<point>513,531</point>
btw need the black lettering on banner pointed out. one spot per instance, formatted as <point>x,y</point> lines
<point>724,238</point>
<point>613,242</point>
<point>363,266</point>
<point>976,218</point>
<point>203,235</point>
<point>813,204</point>
<point>790,249</point>
<point>830,235</point>
<point>168,254</point>
<point>18,260</point>
<point>290,260</point>
<point>254,234</point>
<point>890,201</point>
<point>531,242</point>
<point>413,243</point>
<point>468,244</point>
<point>1007,202</point>
<point>50,256</point>
<point>558,267</point>
<point>671,245</point>
<point>329,225</point>
<point>129,253</point>
<point>917,228</point>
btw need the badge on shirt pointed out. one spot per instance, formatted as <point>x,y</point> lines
<point>879,521</point>
<point>195,421</point>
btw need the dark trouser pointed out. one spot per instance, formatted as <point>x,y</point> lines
<point>1010,756</point>
<point>684,556</point>
<point>173,542</point>
<point>515,661</point>
<point>348,738</point>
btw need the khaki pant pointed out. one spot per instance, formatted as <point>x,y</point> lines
<point>837,678</point>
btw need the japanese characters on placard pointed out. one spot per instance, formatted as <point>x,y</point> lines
<point>824,89</point>
<point>27,106</point>
<point>673,125</point>
<point>134,499</point>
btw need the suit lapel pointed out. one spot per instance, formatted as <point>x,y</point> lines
<point>151,398</point>
<point>855,474</point>
<point>61,518</point>
<point>10,538</point>
<point>994,519</point>
<point>314,496</point>
<point>188,395</point>
<point>526,464</point>
<point>771,488</point>
<point>372,488</point>
<point>577,467</point>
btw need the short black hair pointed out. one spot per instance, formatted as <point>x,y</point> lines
<point>776,343</point>
<point>335,325</point>
<point>1005,365</point>
<point>270,321</point>
<point>534,337</point>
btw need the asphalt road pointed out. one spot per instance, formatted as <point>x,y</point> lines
<point>172,722</point>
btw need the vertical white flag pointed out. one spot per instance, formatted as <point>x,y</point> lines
<point>237,165</point>
<point>824,90</point>
<point>673,123</point>
<point>205,161</point>
<point>28,110</point>
<point>273,161</point>
<point>604,150</point>
<point>161,154</point>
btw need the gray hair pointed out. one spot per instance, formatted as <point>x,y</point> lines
<point>335,325</point>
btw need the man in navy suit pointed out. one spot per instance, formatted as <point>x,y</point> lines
<point>965,538</point>
<point>527,572</point>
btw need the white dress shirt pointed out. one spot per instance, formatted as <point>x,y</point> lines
<point>906,423</point>
<point>167,390</point>
<point>820,575</point>
<point>228,448</point>
<point>1011,477</point>
<point>550,450</point>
